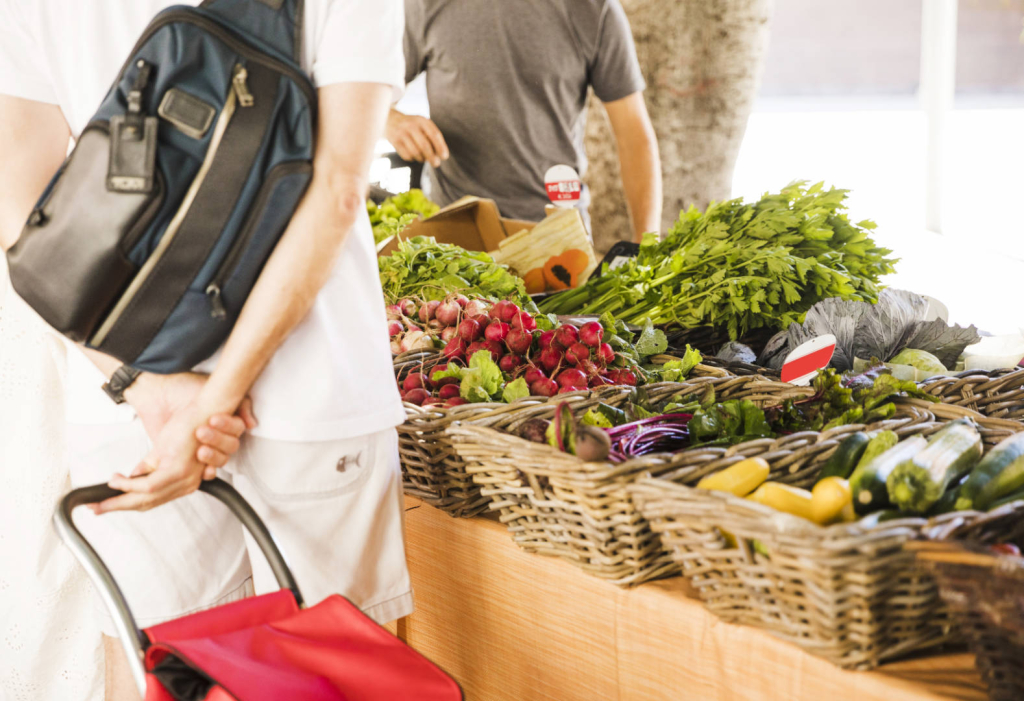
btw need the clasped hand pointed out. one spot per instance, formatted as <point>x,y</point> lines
<point>189,441</point>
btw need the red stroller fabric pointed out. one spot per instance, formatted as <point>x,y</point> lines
<point>266,649</point>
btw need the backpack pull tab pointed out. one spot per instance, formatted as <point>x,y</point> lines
<point>239,81</point>
<point>134,118</point>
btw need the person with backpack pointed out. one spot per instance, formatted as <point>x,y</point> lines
<point>507,85</point>
<point>296,297</point>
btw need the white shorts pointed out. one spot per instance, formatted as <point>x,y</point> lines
<point>334,508</point>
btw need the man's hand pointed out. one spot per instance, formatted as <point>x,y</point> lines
<point>416,138</point>
<point>156,398</point>
<point>170,471</point>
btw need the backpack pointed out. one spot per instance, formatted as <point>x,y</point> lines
<point>150,237</point>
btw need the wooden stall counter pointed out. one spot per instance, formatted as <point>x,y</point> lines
<point>511,626</point>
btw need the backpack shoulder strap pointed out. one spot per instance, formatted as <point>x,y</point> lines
<point>277,23</point>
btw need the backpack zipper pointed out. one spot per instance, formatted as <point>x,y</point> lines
<point>220,277</point>
<point>238,88</point>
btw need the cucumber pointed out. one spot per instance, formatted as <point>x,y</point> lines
<point>920,480</point>
<point>999,473</point>
<point>846,456</point>
<point>867,483</point>
<point>881,441</point>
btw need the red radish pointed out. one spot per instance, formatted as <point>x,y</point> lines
<point>592,333</point>
<point>622,376</point>
<point>534,374</point>
<point>497,350</point>
<point>395,328</point>
<point>461,300</point>
<point>572,378</point>
<point>447,312</point>
<point>519,341</point>
<point>599,381</point>
<point>416,396</point>
<point>416,380</point>
<point>550,359</point>
<point>445,381</point>
<point>448,333</point>
<point>407,306</point>
<point>509,312</point>
<point>510,362</point>
<point>456,401</point>
<point>469,330</point>
<point>577,353</point>
<point>396,347</point>
<point>498,309</point>
<point>431,401</point>
<point>589,368</point>
<point>476,308</point>
<point>428,310</point>
<point>496,331</point>
<point>448,391</point>
<point>456,348</point>
<point>394,311</point>
<point>416,340</point>
<point>567,390</point>
<point>475,347</point>
<point>566,335</point>
<point>524,321</point>
<point>411,324</point>
<point>545,339</point>
<point>544,388</point>
<point>606,354</point>
<point>434,327</point>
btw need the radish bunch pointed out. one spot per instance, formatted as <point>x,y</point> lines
<point>565,359</point>
<point>424,325</point>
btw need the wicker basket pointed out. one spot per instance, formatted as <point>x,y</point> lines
<point>709,340</point>
<point>984,591</point>
<point>999,394</point>
<point>556,504</point>
<point>434,472</point>
<point>848,593</point>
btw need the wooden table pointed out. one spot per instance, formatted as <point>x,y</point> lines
<point>511,626</point>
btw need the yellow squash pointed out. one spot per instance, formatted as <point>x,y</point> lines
<point>832,501</point>
<point>739,479</point>
<point>782,497</point>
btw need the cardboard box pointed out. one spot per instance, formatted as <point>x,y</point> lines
<point>473,223</point>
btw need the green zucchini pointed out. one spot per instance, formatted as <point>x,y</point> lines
<point>881,441</point>
<point>872,520</point>
<point>920,480</point>
<point>999,473</point>
<point>1008,499</point>
<point>846,456</point>
<point>868,481</point>
<point>947,502</point>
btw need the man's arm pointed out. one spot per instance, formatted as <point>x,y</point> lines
<point>351,120</point>
<point>33,140</point>
<point>639,161</point>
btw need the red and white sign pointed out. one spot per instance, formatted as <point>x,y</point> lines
<point>563,185</point>
<point>803,363</point>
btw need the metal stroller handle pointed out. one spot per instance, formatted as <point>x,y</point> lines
<point>133,639</point>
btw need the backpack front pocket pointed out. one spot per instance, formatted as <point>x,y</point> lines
<point>69,263</point>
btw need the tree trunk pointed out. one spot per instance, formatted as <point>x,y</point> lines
<point>702,60</point>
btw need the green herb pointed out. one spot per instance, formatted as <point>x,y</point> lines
<point>741,266</point>
<point>678,370</point>
<point>733,421</point>
<point>651,341</point>
<point>421,268</point>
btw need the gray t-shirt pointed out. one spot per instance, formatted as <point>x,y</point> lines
<point>507,85</point>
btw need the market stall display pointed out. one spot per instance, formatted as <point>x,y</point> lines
<point>397,212</point>
<point>848,591</point>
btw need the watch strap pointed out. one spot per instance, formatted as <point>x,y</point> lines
<point>121,380</point>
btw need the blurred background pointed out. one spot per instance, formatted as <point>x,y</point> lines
<point>915,106</point>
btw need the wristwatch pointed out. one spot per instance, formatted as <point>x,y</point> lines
<point>121,380</point>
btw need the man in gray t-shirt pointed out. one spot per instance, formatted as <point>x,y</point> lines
<point>507,85</point>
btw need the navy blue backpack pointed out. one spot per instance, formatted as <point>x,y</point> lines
<point>148,240</point>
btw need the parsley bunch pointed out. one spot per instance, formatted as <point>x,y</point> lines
<point>741,266</point>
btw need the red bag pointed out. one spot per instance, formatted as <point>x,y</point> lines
<point>266,648</point>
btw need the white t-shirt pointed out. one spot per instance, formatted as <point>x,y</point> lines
<point>332,378</point>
